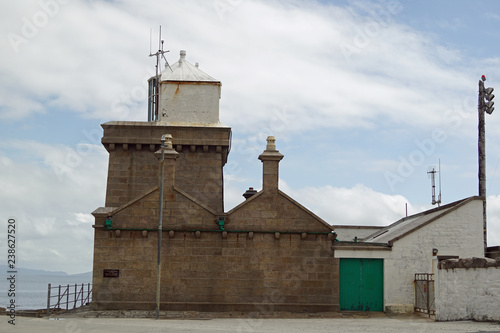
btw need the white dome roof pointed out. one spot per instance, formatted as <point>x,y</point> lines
<point>182,70</point>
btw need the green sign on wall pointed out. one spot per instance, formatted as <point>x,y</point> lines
<point>361,284</point>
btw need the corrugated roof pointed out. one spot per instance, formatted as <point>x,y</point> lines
<point>182,70</point>
<point>409,224</point>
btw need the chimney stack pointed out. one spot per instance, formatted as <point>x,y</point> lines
<point>270,163</point>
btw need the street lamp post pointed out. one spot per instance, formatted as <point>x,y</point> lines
<point>160,225</point>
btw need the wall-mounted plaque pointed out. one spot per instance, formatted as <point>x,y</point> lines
<point>111,273</point>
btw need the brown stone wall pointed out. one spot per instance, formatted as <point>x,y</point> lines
<point>179,212</point>
<point>133,167</point>
<point>274,255</point>
<point>131,172</point>
<point>199,173</point>
<point>211,273</point>
<point>274,211</point>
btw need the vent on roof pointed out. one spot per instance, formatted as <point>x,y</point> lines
<point>249,193</point>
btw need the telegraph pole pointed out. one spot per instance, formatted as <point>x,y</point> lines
<point>485,104</point>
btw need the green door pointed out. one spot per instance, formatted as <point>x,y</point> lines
<point>361,284</point>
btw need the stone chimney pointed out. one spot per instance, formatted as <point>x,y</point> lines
<point>270,163</point>
<point>169,155</point>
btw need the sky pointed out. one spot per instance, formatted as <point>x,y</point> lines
<point>363,97</point>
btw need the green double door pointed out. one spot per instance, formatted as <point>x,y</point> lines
<point>361,284</point>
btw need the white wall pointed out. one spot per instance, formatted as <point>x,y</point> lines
<point>458,233</point>
<point>193,103</point>
<point>468,294</point>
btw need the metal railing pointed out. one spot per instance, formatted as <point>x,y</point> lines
<point>69,296</point>
<point>424,293</point>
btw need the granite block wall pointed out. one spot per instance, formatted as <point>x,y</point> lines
<point>213,271</point>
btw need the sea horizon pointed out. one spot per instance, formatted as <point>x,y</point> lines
<point>31,290</point>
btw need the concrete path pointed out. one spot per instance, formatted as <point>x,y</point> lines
<point>383,324</point>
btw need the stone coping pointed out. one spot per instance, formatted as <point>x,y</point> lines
<point>468,263</point>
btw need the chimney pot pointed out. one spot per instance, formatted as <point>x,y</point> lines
<point>249,192</point>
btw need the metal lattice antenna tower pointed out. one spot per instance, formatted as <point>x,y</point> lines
<point>439,170</point>
<point>432,175</point>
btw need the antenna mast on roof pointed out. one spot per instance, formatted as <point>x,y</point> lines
<point>154,82</point>
<point>432,174</point>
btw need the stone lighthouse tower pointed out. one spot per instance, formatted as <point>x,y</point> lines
<point>194,256</point>
<point>184,102</point>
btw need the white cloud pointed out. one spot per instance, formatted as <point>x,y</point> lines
<point>358,205</point>
<point>84,218</point>
<point>361,205</point>
<point>100,49</point>
<point>47,203</point>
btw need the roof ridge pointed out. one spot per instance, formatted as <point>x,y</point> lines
<point>440,210</point>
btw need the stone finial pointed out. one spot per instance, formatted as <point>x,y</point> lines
<point>167,148</point>
<point>183,55</point>
<point>168,140</point>
<point>271,143</point>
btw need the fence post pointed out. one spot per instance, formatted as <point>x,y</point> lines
<point>415,286</point>
<point>48,301</point>
<point>75,298</point>
<point>67,296</point>
<point>88,293</point>
<point>59,298</point>
<point>427,296</point>
<point>60,294</point>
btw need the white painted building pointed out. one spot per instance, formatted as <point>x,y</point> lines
<point>411,245</point>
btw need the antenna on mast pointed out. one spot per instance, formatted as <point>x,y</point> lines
<point>150,41</point>
<point>439,170</point>
<point>160,53</point>
<point>432,174</point>
<point>154,82</point>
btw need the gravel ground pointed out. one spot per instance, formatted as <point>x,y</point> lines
<point>345,323</point>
